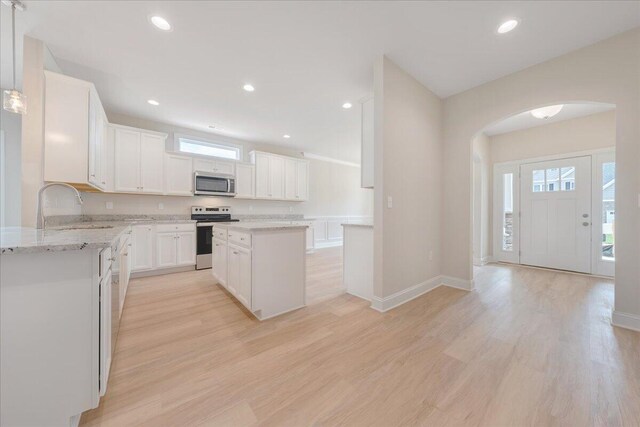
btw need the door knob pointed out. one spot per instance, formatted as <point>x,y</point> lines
<point>586,224</point>
<point>585,215</point>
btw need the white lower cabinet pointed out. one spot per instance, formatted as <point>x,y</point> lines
<point>239,274</point>
<point>142,247</point>
<point>175,245</point>
<point>219,261</point>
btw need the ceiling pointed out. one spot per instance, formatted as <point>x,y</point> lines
<point>525,120</point>
<point>305,59</point>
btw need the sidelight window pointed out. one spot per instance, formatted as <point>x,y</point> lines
<point>608,210</point>
<point>507,212</point>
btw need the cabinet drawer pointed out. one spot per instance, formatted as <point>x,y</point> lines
<point>220,233</point>
<point>168,228</point>
<point>239,238</point>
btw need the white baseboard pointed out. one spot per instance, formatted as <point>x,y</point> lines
<point>454,282</point>
<point>625,320</point>
<point>160,271</point>
<point>482,261</point>
<point>329,244</point>
<point>406,295</point>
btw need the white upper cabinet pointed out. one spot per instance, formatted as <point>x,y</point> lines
<point>280,177</point>
<point>127,160</point>
<point>366,169</point>
<point>214,166</point>
<point>296,179</point>
<point>178,175</point>
<point>262,175</point>
<point>139,161</point>
<point>152,149</point>
<point>74,133</point>
<point>245,181</point>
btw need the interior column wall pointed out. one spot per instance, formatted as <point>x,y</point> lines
<point>408,182</point>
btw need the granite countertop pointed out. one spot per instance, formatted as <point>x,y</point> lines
<point>24,240</point>
<point>358,224</point>
<point>72,235</point>
<point>262,225</point>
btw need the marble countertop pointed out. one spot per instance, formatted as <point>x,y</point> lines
<point>71,236</point>
<point>24,240</point>
<point>262,225</point>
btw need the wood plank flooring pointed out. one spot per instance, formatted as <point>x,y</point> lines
<point>528,347</point>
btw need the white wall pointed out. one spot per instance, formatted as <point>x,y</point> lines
<point>334,189</point>
<point>605,72</point>
<point>408,156</point>
<point>10,163</point>
<point>569,136</point>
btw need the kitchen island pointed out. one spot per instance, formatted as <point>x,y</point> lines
<point>262,265</point>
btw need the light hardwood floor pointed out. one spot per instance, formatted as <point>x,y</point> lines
<point>528,347</point>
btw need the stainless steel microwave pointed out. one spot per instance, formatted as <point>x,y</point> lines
<point>214,184</point>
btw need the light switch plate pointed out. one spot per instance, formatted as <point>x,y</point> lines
<point>109,205</point>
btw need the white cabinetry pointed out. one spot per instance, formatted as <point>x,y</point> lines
<point>367,147</point>
<point>214,166</point>
<point>280,177</point>
<point>139,159</point>
<point>239,274</point>
<point>142,249</point>
<point>124,269</point>
<point>178,175</point>
<point>219,261</point>
<point>75,149</point>
<point>245,181</point>
<point>267,282</point>
<point>175,245</point>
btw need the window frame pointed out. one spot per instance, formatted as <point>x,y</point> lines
<point>221,144</point>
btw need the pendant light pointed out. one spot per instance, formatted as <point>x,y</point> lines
<point>13,100</point>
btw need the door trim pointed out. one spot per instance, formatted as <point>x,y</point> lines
<point>513,166</point>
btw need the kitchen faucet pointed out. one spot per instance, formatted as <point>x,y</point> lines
<point>40,215</point>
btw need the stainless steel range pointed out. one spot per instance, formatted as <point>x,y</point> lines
<point>206,217</point>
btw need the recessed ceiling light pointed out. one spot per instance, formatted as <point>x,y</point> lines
<point>286,136</point>
<point>153,102</point>
<point>161,23</point>
<point>546,112</point>
<point>347,105</point>
<point>248,87</point>
<point>507,26</point>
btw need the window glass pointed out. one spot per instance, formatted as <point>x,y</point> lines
<point>538,181</point>
<point>208,149</point>
<point>553,179</point>
<point>507,212</point>
<point>608,211</point>
<point>568,178</point>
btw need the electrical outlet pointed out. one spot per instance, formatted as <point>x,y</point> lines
<point>389,202</point>
<point>108,205</point>
<point>160,205</point>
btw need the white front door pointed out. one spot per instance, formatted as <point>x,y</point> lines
<point>555,207</point>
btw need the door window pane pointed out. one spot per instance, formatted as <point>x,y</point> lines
<point>608,210</point>
<point>538,181</point>
<point>553,179</point>
<point>568,178</point>
<point>507,212</point>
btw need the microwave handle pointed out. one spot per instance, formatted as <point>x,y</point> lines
<point>229,185</point>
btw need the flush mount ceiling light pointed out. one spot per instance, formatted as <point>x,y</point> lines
<point>153,102</point>
<point>160,23</point>
<point>546,112</point>
<point>248,87</point>
<point>14,100</point>
<point>347,105</point>
<point>507,26</point>
<point>286,136</point>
